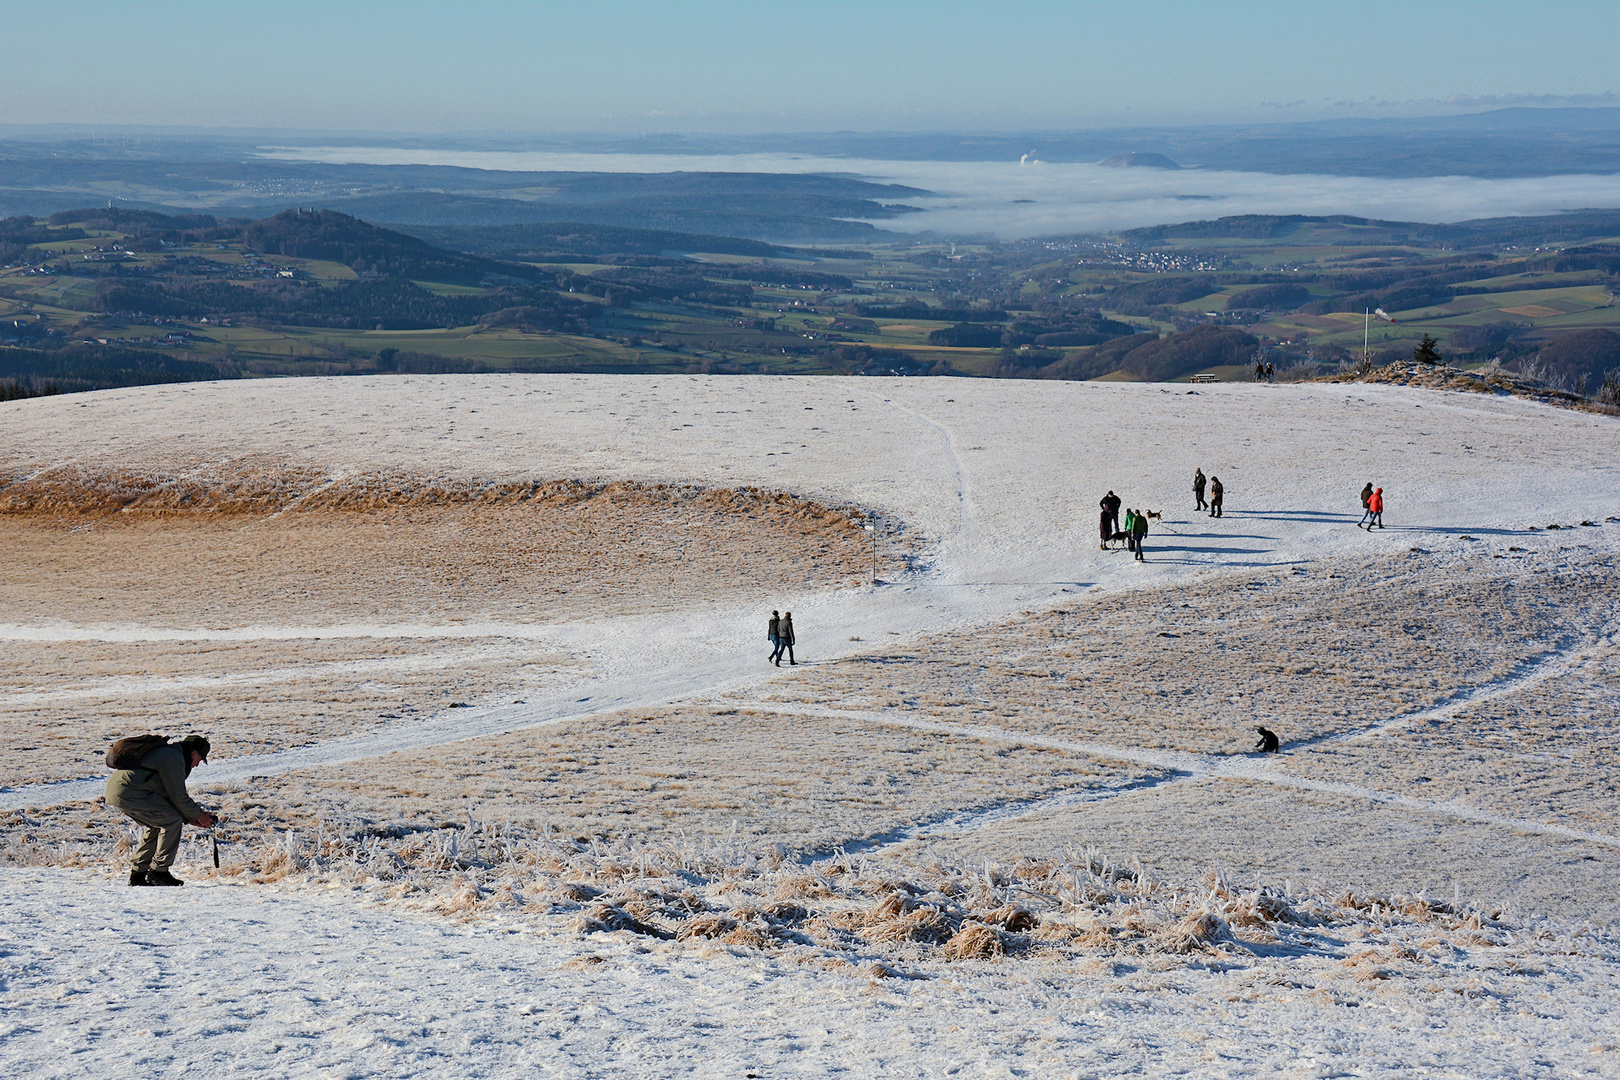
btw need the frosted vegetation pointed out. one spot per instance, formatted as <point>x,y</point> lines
<point>509,681</point>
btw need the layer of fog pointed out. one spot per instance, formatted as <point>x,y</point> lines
<point>1012,200</point>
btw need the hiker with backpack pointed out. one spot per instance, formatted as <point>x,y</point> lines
<point>148,785</point>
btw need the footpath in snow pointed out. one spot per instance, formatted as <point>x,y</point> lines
<point>998,481</point>
<point>991,488</point>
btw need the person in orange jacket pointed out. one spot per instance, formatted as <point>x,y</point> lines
<point>1375,510</point>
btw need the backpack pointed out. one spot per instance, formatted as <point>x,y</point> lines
<point>127,753</point>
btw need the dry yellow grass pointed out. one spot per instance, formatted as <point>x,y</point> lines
<point>234,547</point>
<point>975,941</point>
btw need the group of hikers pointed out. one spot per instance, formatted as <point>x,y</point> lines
<point>1134,529</point>
<point>1217,493</point>
<point>1109,529</point>
<point>1135,526</point>
<point>1372,507</point>
<point>780,634</point>
<point>1264,372</point>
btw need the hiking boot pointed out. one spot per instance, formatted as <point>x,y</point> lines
<point>162,877</point>
<point>137,877</point>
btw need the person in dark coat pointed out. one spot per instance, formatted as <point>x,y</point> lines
<point>1268,743</point>
<point>1110,505</point>
<point>1366,497</point>
<point>1104,532</point>
<point>1139,527</point>
<point>1198,489</point>
<point>785,638</point>
<point>154,794</point>
<point>773,633</point>
<point>1217,493</point>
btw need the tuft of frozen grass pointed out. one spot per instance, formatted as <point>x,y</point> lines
<point>1199,931</point>
<point>975,941</point>
<point>840,909</point>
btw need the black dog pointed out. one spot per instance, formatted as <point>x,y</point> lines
<point>1268,743</point>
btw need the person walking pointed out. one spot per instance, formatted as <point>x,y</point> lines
<point>773,633</point>
<point>1375,510</point>
<point>1139,528</point>
<point>1366,500</point>
<point>152,792</point>
<point>785,639</point>
<point>1198,490</point>
<point>1110,505</point>
<point>1217,494</point>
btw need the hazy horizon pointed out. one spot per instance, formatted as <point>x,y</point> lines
<point>729,67</point>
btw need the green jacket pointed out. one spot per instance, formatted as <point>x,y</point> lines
<point>1138,526</point>
<point>159,782</point>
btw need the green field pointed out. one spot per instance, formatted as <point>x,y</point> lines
<point>658,313</point>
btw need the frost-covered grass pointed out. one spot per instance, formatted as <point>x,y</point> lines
<point>883,917</point>
<point>1002,817</point>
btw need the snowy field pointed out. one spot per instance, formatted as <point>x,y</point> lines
<point>509,788</point>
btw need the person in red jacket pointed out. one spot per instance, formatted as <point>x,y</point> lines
<point>1375,510</point>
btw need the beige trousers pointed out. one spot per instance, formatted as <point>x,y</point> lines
<point>162,838</point>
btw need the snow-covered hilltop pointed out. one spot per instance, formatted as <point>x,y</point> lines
<point>506,776</point>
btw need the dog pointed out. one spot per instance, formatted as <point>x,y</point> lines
<point>1153,515</point>
<point>1269,743</point>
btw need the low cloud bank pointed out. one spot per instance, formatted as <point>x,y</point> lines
<point>1013,200</point>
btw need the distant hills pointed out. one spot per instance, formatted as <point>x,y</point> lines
<point>1573,226</point>
<point>1135,160</point>
<point>540,242</point>
<point>231,180</point>
<point>1152,358</point>
<point>371,249</point>
<point>756,206</point>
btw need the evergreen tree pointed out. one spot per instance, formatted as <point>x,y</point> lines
<point>1426,353</point>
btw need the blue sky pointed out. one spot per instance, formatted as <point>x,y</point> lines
<point>706,65</point>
